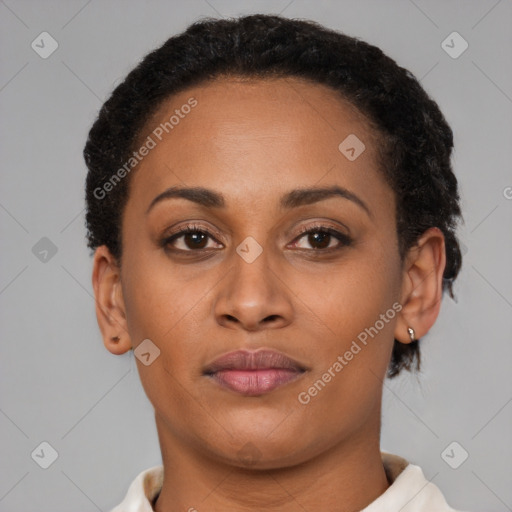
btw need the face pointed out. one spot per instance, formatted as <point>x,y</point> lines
<point>313,277</point>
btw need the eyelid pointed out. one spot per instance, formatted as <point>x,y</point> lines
<point>324,225</point>
<point>193,226</point>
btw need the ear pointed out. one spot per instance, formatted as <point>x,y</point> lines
<point>422,285</point>
<point>110,308</point>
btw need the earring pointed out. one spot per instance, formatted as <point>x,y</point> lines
<point>412,334</point>
<point>115,338</point>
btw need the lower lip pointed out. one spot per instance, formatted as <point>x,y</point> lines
<point>255,382</point>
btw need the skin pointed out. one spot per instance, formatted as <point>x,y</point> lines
<point>253,141</point>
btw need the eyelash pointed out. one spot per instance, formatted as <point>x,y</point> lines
<point>344,239</point>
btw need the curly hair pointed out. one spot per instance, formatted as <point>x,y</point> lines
<point>414,139</point>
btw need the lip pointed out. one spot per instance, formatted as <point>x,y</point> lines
<point>254,373</point>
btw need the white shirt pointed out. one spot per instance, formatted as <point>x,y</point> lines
<point>409,491</point>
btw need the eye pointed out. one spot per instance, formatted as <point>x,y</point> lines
<point>320,238</point>
<point>194,238</point>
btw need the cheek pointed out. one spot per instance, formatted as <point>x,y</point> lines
<point>351,298</point>
<point>161,307</point>
<point>157,296</point>
<point>352,354</point>
<point>171,307</point>
<point>357,307</point>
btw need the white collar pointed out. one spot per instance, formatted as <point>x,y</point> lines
<point>409,491</point>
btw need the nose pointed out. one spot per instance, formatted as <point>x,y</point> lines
<point>253,296</point>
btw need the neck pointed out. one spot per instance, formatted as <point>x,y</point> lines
<point>346,478</point>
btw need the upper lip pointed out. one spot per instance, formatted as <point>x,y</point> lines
<point>253,360</point>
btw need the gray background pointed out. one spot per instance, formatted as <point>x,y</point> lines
<point>60,385</point>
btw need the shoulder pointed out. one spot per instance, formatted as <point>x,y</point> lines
<point>409,490</point>
<point>142,491</point>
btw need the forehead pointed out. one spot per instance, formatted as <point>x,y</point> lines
<point>256,135</point>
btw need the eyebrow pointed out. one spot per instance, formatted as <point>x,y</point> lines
<point>292,199</point>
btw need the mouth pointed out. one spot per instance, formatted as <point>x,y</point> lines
<point>254,373</point>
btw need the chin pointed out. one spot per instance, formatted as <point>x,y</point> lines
<point>261,451</point>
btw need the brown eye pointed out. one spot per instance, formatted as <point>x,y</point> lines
<point>190,239</point>
<point>195,240</point>
<point>320,238</point>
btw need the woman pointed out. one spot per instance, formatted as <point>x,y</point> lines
<point>273,212</point>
